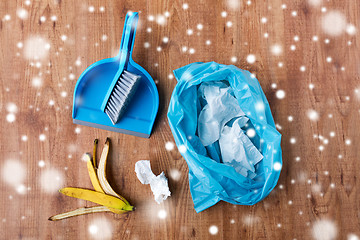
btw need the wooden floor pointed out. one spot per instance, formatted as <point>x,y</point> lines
<point>309,51</point>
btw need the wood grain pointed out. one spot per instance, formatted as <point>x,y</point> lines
<point>320,185</point>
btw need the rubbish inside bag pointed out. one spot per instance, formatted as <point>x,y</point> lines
<point>220,122</point>
<point>158,184</point>
<point>220,115</point>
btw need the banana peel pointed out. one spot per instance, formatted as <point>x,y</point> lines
<point>101,173</point>
<point>96,197</point>
<point>79,211</point>
<point>103,194</point>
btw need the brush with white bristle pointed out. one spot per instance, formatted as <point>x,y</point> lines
<point>121,95</point>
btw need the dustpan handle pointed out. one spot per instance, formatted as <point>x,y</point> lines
<point>128,37</point>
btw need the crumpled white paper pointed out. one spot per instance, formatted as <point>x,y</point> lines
<point>158,184</point>
<point>237,150</point>
<point>221,108</point>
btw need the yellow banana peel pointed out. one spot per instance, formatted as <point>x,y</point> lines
<point>103,194</point>
<point>101,173</point>
<point>95,182</point>
<point>93,177</point>
<point>96,197</point>
<point>79,211</point>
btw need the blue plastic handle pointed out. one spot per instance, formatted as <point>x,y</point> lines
<point>128,37</point>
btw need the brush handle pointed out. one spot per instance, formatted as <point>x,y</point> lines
<point>128,37</point>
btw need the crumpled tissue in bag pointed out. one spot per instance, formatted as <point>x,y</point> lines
<point>221,107</point>
<point>220,122</point>
<point>158,184</point>
<point>238,151</point>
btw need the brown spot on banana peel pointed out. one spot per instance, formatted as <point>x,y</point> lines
<point>96,141</point>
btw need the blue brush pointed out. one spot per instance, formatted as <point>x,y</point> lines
<point>122,87</point>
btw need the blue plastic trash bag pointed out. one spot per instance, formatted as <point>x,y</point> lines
<point>205,93</point>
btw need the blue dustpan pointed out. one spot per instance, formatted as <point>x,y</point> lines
<point>94,84</point>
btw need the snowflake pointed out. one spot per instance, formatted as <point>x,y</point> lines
<point>11,107</point>
<point>352,236</point>
<point>36,82</point>
<point>162,214</point>
<point>10,117</point>
<point>169,146</point>
<point>22,13</point>
<point>233,4</point>
<point>251,133</point>
<point>63,37</point>
<point>251,58</point>
<point>324,230</point>
<point>312,115</point>
<point>51,180</point>
<point>36,48</point>
<point>160,19</point>
<point>175,174</point>
<point>41,163</point>
<point>7,17</point>
<point>315,3</point>
<point>350,29</point>
<point>276,49</point>
<point>182,149</point>
<point>42,137</point>
<point>280,94</point>
<point>13,172</point>
<point>277,166</point>
<point>91,9</point>
<point>213,230</point>
<point>333,23</point>
<point>101,228</point>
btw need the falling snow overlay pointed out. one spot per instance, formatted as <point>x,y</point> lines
<point>304,55</point>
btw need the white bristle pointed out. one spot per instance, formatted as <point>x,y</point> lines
<point>121,95</point>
